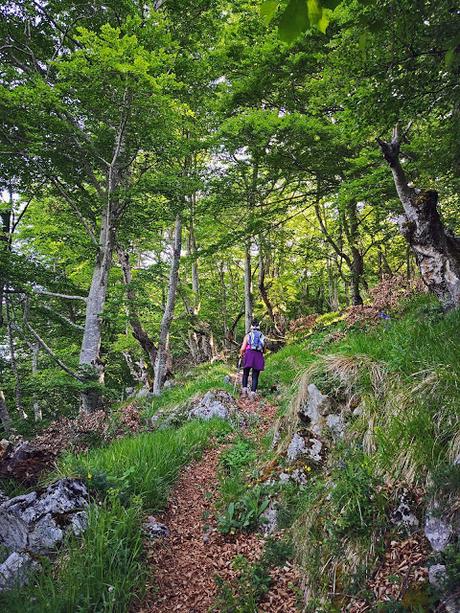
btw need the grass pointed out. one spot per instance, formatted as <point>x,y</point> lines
<point>98,572</point>
<point>203,378</point>
<point>103,571</point>
<point>144,465</point>
<point>405,375</point>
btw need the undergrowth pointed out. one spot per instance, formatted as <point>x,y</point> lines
<point>145,465</point>
<point>202,379</point>
<point>101,571</point>
<point>253,580</point>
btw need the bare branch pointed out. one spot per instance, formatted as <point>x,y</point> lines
<point>63,317</point>
<point>58,295</point>
<point>48,350</point>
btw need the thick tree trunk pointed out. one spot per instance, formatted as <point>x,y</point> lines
<point>162,351</point>
<point>90,363</point>
<point>4,414</point>
<point>139,333</point>
<point>247,290</point>
<point>436,249</point>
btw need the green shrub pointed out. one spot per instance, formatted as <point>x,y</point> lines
<point>244,513</point>
<point>239,456</point>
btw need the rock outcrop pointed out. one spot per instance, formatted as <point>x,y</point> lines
<point>36,523</point>
<point>215,403</point>
<point>317,413</point>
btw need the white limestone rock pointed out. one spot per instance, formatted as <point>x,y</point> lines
<point>16,569</point>
<point>438,532</point>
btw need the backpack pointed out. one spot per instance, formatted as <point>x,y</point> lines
<point>256,340</point>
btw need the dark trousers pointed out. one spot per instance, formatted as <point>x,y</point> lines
<point>254,380</point>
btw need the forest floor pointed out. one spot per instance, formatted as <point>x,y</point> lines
<point>184,565</point>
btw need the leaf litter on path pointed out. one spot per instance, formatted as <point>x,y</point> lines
<point>184,566</point>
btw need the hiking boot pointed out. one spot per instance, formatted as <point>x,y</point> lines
<point>244,392</point>
<point>252,395</point>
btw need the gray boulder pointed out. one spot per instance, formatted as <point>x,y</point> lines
<point>217,403</point>
<point>16,569</point>
<point>437,576</point>
<point>299,446</point>
<point>36,522</point>
<point>269,519</point>
<point>296,448</point>
<point>336,425</point>
<point>314,411</point>
<point>438,532</point>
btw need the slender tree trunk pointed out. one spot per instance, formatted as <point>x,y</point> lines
<point>4,413</point>
<point>263,290</point>
<point>5,217</point>
<point>223,296</point>
<point>36,406</point>
<point>14,365</point>
<point>192,248</point>
<point>139,333</point>
<point>351,227</point>
<point>247,289</point>
<point>161,358</point>
<point>436,249</point>
<point>92,368</point>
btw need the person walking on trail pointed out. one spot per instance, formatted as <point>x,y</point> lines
<point>252,354</point>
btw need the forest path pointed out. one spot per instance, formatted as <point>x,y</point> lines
<point>184,565</point>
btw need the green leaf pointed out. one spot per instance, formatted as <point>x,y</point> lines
<point>315,12</point>
<point>294,21</point>
<point>363,41</point>
<point>268,10</point>
<point>324,21</point>
<point>330,4</point>
<point>449,58</point>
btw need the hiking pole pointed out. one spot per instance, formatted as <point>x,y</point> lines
<point>238,368</point>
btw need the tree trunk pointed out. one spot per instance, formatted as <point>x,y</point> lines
<point>263,290</point>
<point>223,296</point>
<point>247,290</point>
<point>91,366</point>
<point>5,229</point>
<point>162,351</point>
<point>356,273</point>
<point>4,414</point>
<point>35,351</point>
<point>436,249</point>
<point>14,365</point>
<point>139,333</point>
<point>351,227</point>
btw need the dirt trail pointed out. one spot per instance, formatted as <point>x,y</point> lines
<point>185,564</point>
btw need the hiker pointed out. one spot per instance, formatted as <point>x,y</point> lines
<point>252,353</point>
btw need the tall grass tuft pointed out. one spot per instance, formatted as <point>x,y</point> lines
<point>145,465</point>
